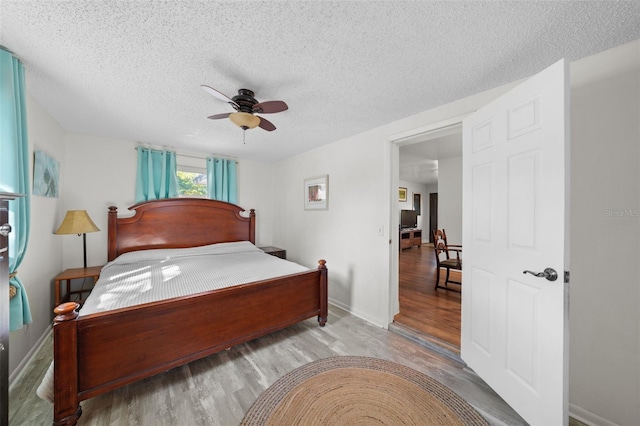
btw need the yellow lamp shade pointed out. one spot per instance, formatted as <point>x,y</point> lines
<point>76,222</point>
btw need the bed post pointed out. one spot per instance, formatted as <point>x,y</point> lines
<point>324,307</point>
<point>113,232</point>
<point>252,226</point>
<point>66,408</point>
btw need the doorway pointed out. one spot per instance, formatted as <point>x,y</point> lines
<point>433,214</point>
<point>432,164</point>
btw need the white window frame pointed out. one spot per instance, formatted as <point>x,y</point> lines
<point>187,163</point>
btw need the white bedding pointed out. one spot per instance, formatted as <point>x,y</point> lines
<point>151,275</point>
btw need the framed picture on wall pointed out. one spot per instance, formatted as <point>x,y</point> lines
<point>46,175</point>
<point>316,193</point>
<point>402,194</point>
<point>417,201</point>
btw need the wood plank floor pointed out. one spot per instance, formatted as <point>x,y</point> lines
<point>428,311</point>
<point>219,389</point>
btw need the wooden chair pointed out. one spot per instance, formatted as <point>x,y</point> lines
<point>442,248</point>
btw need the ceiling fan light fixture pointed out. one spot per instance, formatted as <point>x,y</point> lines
<point>244,120</point>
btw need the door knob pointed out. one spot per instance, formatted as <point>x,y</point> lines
<point>5,229</point>
<point>549,273</point>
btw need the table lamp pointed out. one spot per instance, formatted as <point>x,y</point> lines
<point>78,222</point>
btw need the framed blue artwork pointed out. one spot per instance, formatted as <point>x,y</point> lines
<point>46,175</point>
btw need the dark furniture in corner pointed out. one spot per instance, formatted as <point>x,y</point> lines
<point>275,251</point>
<point>5,229</point>
<point>410,238</point>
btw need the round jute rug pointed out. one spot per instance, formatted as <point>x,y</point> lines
<point>353,390</point>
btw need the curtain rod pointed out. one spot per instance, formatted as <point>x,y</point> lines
<point>6,49</point>
<point>182,154</point>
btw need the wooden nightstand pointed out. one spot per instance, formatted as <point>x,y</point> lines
<point>274,251</point>
<point>92,272</point>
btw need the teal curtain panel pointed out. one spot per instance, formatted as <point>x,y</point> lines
<point>14,176</point>
<point>157,176</point>
<point>222,183</point>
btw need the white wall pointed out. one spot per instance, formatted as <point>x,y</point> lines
<point>605,246</point>
<point>346,234</point>
<point>43,259</point>
<point>255,191</point>
<point>450,198</point>
<point>99,173</point>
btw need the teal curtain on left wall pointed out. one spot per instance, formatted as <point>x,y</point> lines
<point>14,176</point>
<point>157,176</point>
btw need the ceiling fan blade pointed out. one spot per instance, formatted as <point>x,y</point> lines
<point>266,125</point>
<point>220,96</point>
<point>270,107</point>
<point>219,116</point>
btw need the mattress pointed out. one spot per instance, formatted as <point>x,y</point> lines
<point>151,275</point>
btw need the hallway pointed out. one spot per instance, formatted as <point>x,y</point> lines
<point>422,308</point>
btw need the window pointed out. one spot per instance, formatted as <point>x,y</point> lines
<point>192,184</point>
<point>192,176</point>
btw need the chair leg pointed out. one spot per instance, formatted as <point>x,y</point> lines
<point>437,277</point>
<point>446,280</point>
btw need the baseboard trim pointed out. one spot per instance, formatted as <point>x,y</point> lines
<point>587,417</point>
<point>19,371</point>
<point>356,313</point>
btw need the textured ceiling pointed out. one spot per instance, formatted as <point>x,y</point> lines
<point>132,70</point>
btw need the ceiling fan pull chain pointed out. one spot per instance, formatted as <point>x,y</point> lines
<point>244,134</point>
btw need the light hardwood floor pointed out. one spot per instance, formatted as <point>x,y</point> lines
<point>219,389</point>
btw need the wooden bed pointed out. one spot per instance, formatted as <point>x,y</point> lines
<point>97,353</point>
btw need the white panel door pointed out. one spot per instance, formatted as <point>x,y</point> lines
<point>515,192</point>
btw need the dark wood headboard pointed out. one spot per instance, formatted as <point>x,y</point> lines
<point>178,223</point>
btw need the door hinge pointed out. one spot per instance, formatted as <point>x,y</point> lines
<point>566,277</point>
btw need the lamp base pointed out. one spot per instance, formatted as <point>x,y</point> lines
<point>84,248</point>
